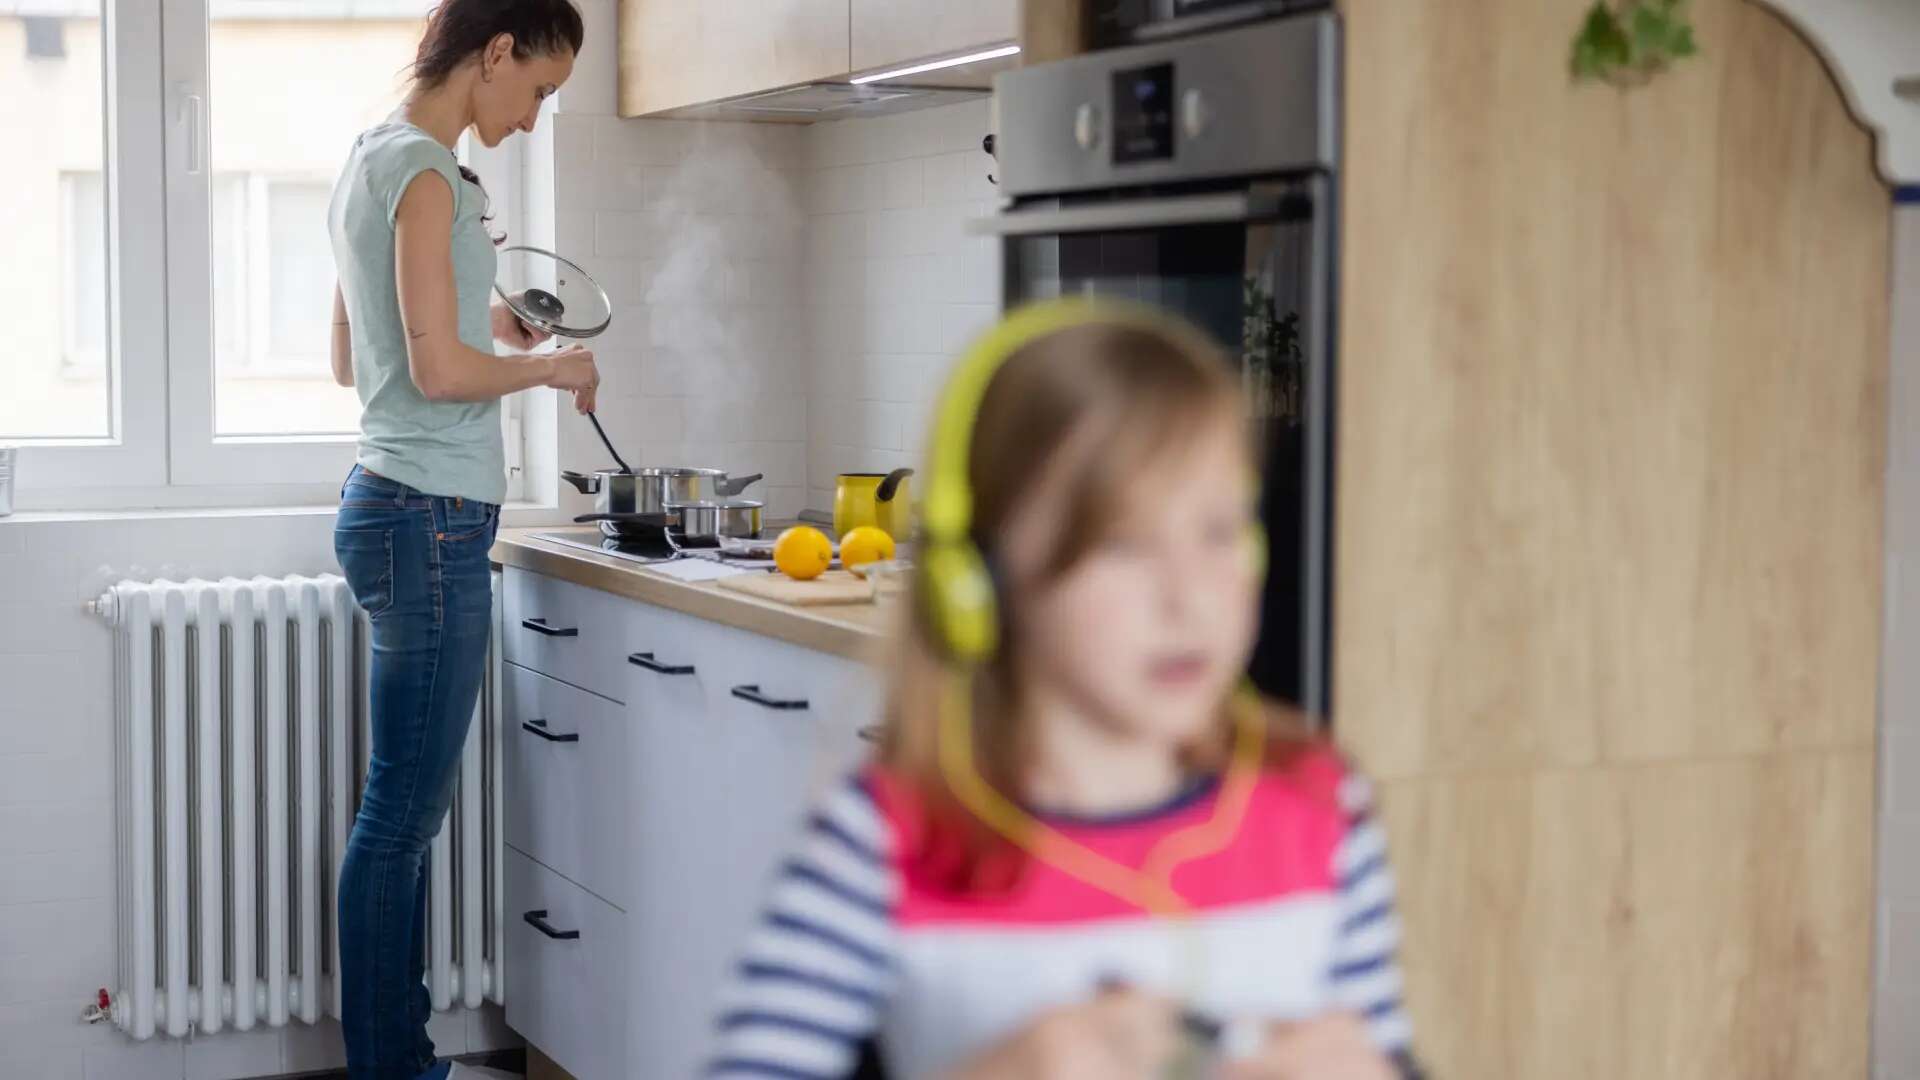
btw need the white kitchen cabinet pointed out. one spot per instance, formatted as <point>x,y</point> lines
<point>700,730</point>
<point>572,749</point>
<point>890,33</point>
<point>566,953</point>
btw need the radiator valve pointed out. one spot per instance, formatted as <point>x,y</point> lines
<point>101,1009</point>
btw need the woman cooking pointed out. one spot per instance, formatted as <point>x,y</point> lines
<point>414,334</point>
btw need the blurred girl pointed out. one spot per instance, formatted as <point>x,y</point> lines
<point>1087,852</point>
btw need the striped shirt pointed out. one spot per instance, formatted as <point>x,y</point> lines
<point>1294,917</point>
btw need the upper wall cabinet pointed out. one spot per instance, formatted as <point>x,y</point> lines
<point>889,33</point>
<point>687,52</point>
<point>677,53</point>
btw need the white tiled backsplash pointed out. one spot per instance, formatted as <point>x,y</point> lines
<point>787,298</point>
<point>895,285</point>
<point>696,231</point>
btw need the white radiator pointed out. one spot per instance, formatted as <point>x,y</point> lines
<point>241,748</point>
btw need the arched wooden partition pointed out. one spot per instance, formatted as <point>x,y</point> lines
<point>1609,584</point>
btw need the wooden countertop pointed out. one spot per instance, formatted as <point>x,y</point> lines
<point>856,631</point>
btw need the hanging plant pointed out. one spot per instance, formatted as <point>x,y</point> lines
<point>1627,42</point>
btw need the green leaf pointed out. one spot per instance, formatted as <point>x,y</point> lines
<point>1601,44</point>
<point>1651,31</point>
<point>1680,42</point>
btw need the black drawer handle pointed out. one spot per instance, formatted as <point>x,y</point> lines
<point>646,660</point>
<point>753,694</point>
<point>539,727</point>
<point>870,733</point>
<point>539,626</point>
<point>538,920</point>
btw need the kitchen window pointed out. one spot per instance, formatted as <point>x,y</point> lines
<point>168,215</point>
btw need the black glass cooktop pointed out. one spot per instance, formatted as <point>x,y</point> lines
<point>639,549</point>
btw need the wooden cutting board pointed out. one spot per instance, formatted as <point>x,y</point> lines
<point>832,587</point>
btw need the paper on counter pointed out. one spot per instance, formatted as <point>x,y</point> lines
<point>700,570</point>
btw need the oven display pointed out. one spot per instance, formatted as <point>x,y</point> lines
<point>1143,114</point>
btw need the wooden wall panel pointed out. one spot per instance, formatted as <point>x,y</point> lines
<point>1609,551</point>
<point>1677,920</point>
<point>1612,396</point>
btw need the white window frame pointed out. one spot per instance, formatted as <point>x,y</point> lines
<point>160,335</point>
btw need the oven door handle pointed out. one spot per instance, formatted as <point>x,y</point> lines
<point>1209,209</point>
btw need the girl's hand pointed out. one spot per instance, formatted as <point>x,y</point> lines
<point>1120,1035</point>
<point>508,328</point>
<point>574,370</point>
<point>1334,1047</point>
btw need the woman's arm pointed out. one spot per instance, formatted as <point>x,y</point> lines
<point>342,341</point>
<point>444,367</point>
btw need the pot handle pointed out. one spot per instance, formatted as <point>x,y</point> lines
<point>586,485</point>
<point>734,486</point>
<point>891,485</point>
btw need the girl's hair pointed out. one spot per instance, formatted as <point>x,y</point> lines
<point>1097,404</point>
<point>459,29</point>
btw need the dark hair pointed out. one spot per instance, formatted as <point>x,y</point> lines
<point>457,29</point>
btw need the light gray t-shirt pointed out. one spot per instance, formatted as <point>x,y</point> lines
<point>440,447</point>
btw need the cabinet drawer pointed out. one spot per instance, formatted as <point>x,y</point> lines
<point>567,991</point>
<point>564,630</point>
<point>761,684</point>
<point>567,781</point>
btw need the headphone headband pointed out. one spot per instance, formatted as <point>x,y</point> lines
<point>947,508</point>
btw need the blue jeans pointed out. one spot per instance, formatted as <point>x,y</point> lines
<point>418,564</point>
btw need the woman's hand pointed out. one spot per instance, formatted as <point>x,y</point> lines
<point>573,370</point>
<point>1120,1035</point>
<point>1334,1047</point>
<point>508,328</point>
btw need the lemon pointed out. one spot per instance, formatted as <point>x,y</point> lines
<point>802,552</point>
<point>864,545</point>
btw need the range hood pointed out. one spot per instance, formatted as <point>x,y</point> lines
<point>830,101</point>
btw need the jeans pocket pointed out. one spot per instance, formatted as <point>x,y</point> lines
<point>366,557</point>
<point>469,520</point>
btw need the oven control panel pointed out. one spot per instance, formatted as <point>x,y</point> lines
<point>1143,114</point>
<point>1257,99</point>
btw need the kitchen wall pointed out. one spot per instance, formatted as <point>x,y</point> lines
<point>57,938</point>
<point>894,285</point>
<point>1896,1047</point>
<point>699,231</point>
<point>696,231</point>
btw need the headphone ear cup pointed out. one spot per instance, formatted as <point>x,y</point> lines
<point>1257,549</point>
<point>957,602</point>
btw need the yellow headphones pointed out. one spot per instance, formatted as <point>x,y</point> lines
<point>956,591</point>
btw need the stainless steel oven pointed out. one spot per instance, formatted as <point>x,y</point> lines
<point>1200,174</point>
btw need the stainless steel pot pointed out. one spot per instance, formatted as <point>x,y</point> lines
<point>706,521</point>
<point>648,491</point>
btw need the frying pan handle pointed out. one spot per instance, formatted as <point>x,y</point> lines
<point>891,485</point>
<point>586,485</point>
<point>735,485</point>
<point>660,521</point>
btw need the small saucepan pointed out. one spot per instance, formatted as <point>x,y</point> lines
<point>702,523</point>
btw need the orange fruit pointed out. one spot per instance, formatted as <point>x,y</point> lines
<point>803,552</point>
<point>864,545</point>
